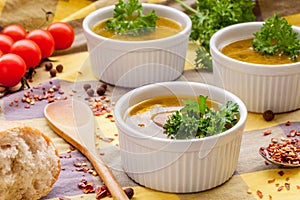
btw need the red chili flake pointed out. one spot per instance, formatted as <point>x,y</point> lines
<point>107,139</point>
<point>64,198</point>
<point>102,192</point>
<point>271,180</point>
<point>298,187</point>
<point>281,173</point>
<point>280,188</point>
<point>287,179</point>
<point>270,197</point>
<point>288,123</point>
<point>259,194</point>
<point>287,186</point>
<point>267,132</point>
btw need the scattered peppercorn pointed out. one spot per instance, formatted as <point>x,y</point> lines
<point>59,68</point>
<point>101,91</point>
<point>52,72</point>
<point>86,86</point>
<point>90,92</point>
<point>129,192</point>
<point>268,115</point>
<point>48,66</point>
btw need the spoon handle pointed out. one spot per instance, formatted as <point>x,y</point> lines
<point>106,175</point>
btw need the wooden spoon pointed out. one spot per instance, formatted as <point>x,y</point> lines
<point>74,121</point>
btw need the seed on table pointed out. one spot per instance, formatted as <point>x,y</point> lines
<point>101,91</point>
<point>90,92</point>
<point>129,192</point>
<point>52,72</point>
<point>59,68</point>
<point>48,66</point>
<point>268,115</point>
<point>86,86</point>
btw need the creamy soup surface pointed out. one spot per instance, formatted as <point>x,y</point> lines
<point>165,28</point>
<point>242,50</point>
<point>140,116</point>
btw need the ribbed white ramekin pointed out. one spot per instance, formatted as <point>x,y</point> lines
<point>179,166</point>
<point>261,87</point>
<point>136,63</point>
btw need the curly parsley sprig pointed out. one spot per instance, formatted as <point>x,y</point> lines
<point>276,36</point>
<point>197,120</point>
<point>208,17</point>
<point>128,19</point>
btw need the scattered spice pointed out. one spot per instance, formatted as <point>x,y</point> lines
<point>268,115</point>
<point>259,194</point>
<point>86,86</point>
<point>287,186</point>
<point>90,92</point>
<point>267,132</point>
<point>281,173</point>
<point>59,68</point>
<point>48,66</point>
<point>280,188</point>
<point>271,180</point>
<point>52,72</point>
<point>288,123</point>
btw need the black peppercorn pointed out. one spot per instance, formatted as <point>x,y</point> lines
<point>48,66</point>
<point>59,68</point>
<point>268,115</point>
<point>129,192</point>
<point>101,91</point>
<point>86,86</point>
<point>90,92</point>
<point>52,72</point>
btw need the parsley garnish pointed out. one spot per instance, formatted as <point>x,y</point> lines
<point>197,120</point>
<point>276,36</point>
<point>209,16</point>
<point>128,19</point>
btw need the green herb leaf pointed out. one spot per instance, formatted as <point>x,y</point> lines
<point>197,120</point>
<point>276,36</point>
<point>209,16</point>
<point>128,19</point>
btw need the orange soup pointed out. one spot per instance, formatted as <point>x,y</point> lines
<point>165,28</point>
<point>242,50</point>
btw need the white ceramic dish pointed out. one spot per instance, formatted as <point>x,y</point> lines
<point>261,87</point>
<point>136,63</point>
<point>178,166</point>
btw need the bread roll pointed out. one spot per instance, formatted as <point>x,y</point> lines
<point>29,164</point>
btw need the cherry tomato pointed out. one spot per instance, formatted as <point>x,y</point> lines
<point>12,69</point>
<point>63,35</point>
<point>15,31</point>
<point>29,51</point>
<point>5,43</point>
<point>44,40</point>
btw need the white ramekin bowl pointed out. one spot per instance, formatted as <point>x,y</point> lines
<point>136,63</point>
<point>178,166</point>
<point>261,87</point>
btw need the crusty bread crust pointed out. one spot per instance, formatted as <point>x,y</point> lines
<point>27,152</point>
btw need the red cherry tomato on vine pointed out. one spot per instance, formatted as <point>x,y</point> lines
<point>12,69</point>
<point>63,35</point>
<point>5,43</point>
<point>44,40</point>
<point>15,31</point>
<point>29,51</point>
